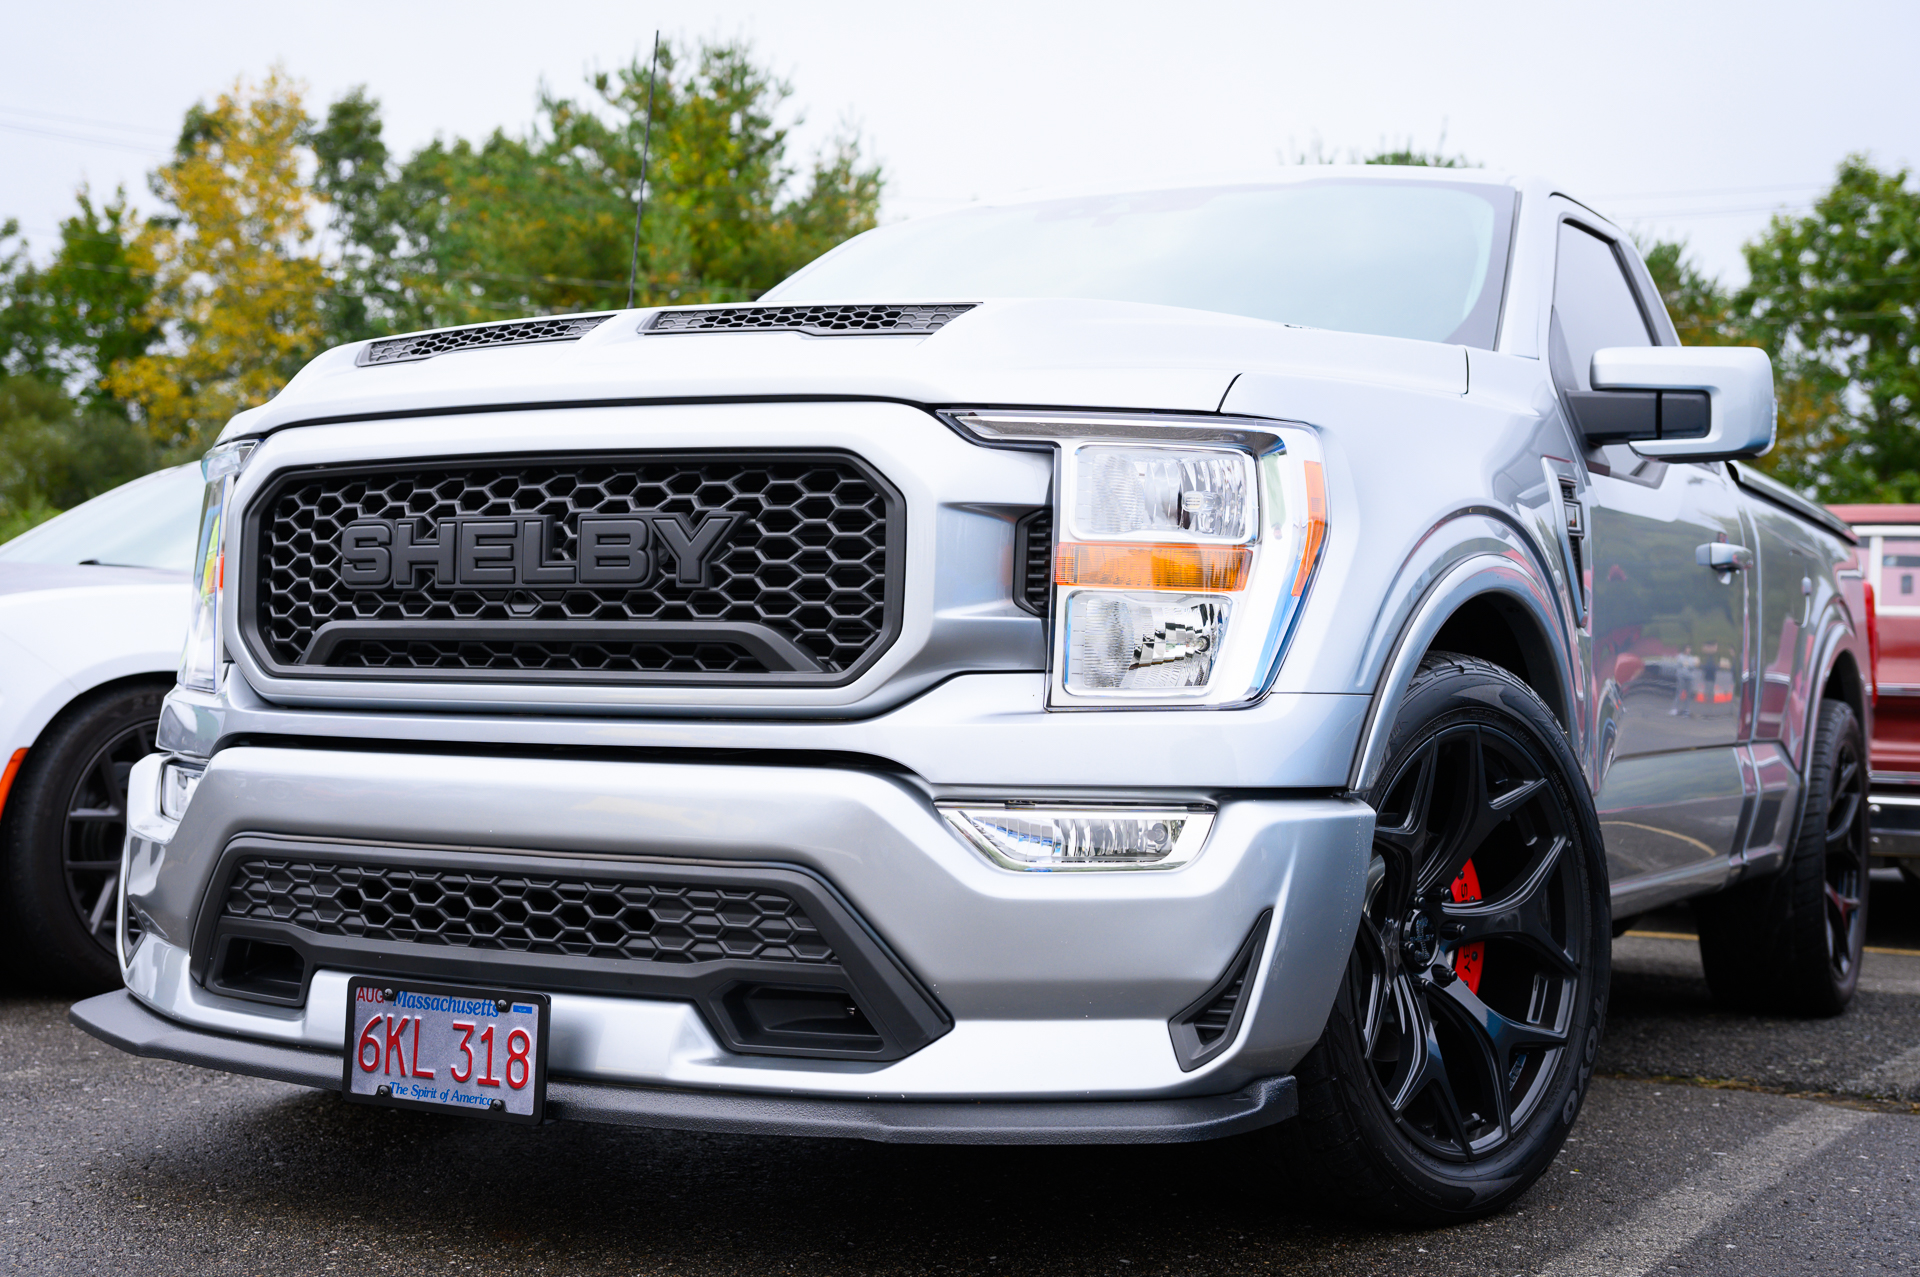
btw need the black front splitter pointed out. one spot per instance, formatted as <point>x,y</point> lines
<point>119,1020</point>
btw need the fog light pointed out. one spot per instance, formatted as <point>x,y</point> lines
<point>1019,836</point>
<point>1141,642</point>
<point>177,783</point>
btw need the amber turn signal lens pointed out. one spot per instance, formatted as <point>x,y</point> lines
<point>1316,525</point>
<point>1124,566</point>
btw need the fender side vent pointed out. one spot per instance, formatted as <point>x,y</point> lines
<point>1208,1027</point>
<point>1033,561</point>
<point>815,321</point>
<point>524,332</point>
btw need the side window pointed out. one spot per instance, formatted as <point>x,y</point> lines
<point>1593,305</point>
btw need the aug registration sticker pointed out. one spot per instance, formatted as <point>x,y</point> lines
<point>448,1049</point>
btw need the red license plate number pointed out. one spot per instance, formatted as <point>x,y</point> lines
<point>447,1049</point>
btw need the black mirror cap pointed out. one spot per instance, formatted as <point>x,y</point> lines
<point>1626,416</point>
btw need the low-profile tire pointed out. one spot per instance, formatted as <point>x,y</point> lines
<point>1790,943</point>
<point>1463,1036</point>
<point>63,827</point>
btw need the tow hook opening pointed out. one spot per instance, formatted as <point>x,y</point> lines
<point>260,969</point>
<point>799,1017</point>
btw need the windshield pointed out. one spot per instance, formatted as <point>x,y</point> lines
<point>149,523</point>
<point>1398,258</point>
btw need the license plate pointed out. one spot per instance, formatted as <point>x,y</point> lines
<point>446,1049</point>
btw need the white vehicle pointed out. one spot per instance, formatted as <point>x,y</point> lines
<point>93,609</point>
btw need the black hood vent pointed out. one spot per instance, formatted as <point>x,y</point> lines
<point>524,332</point>
<point>815,321</point>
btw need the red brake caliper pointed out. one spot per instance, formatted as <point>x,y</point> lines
<point>1466,962</point>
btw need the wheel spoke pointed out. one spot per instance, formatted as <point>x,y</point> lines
<point>113,775</point>
<point>1847,780</point>
<point>1844,907</point>
<point>1426,1069</point>
<point>1499,1035</point>
<point>108,894</point>
<point>1840,819</point>
<point>1422,1064</point>
<point>1374,1013</point>
<point>1409,837</point>
<point>96,814</point>
<point>1524,915</point>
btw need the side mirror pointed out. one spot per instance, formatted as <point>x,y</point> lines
<point>1680,403</point>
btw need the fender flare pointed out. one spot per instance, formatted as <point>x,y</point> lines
<point>1837,635</point>
<point>1473,576</point>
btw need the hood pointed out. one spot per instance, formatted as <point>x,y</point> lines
<point>1055,353</point>
<point>41,578</point>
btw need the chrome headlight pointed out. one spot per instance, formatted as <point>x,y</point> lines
<point>1185,548</point>
<point>203,655</point>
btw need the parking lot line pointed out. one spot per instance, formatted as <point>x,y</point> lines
<point>1896,1076</point>
<point>1638,934</point>
<point>1636,1245</point>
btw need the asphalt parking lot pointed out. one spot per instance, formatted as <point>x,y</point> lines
<point>1713,1144</point>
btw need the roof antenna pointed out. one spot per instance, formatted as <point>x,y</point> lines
<point>646,149</point>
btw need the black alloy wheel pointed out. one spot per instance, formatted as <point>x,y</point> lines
<point>1790,943</point>
<point>1465,1030</point>
<point>95,830</point>
<point>1844,846</point>
<point>1470,858</point>
<point>64,825</point>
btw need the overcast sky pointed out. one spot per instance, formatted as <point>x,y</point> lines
<point>1691,119</point>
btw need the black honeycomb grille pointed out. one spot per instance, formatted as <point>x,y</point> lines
<point>395,350</point>
<point>798,589</point>
<point>572,917</point>
<point>819,321</point>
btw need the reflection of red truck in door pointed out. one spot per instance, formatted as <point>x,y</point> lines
<point>1889,556</point>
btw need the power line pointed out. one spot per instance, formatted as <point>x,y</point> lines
<point>78,137</point>
<point>81,119</point>
<point>1678,214</point>
<point>1718,190</point>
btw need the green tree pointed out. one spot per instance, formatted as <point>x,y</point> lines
<point>237,277</point>
<point>73,319</point>
<point>1835,298</point>
<point>55,453</point>
<point>1702,309</point>
<point>543,221</point>
<point>1409,154</point>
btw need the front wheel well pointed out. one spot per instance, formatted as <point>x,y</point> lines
<point>1498,629</point>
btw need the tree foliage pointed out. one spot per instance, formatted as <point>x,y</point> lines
<point>543,221</point>
<point>236,279</point>
<point>281,235</point>
<point>1835,297</point>
<point>55,453</point>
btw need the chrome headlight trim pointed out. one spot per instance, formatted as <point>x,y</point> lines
<point>1288,543</point>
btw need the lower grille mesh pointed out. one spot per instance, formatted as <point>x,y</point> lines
<point>574,917</point>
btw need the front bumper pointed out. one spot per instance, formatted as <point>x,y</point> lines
<point>1060,987</point>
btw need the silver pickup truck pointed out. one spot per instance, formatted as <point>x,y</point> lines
<point>1130,665</point>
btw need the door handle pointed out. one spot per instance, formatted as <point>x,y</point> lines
<point>1722,557</point>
